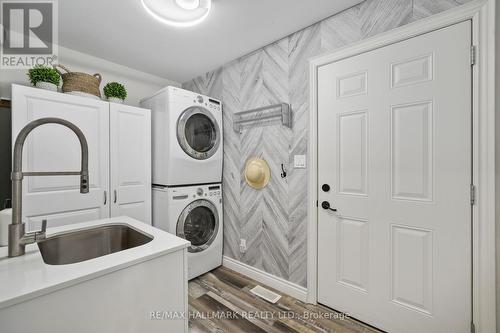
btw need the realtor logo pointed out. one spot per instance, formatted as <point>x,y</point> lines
<point>29,33</point>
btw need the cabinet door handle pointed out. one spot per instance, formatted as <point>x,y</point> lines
<point>105,197</point>
<point>115,196</point>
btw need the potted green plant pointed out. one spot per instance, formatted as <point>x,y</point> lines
<point>44,77</point>
<point>115,92</point>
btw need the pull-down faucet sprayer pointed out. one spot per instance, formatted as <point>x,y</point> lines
<point>17,236</point>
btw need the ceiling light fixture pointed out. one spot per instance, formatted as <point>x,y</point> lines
<point>179,13</point>
<point>188,4</point>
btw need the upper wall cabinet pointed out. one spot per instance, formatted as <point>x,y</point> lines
<point>118,137</point>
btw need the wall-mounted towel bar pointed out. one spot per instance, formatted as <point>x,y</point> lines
<point>280,111</point>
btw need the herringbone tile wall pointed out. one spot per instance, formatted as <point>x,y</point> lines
<point>273,220</point>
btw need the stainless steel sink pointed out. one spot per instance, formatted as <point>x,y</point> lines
<point>81,245</point>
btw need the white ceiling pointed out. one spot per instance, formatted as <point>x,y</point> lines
<point>122,32</point>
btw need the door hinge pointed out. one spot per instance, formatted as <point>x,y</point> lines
<point>472,194</point>
<point>473,55</point>
<point>472,328</point>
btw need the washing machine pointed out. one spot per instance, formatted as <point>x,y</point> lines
<point>186,137</point>
<point>195,214</point>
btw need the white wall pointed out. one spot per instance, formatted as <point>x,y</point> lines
<point>138,84</point>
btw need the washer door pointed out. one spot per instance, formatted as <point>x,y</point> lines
<point>198,133</point>
<point>199,224</point>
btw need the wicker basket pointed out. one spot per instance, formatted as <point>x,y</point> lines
<point>79,82</point>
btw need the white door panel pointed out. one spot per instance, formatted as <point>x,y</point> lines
<point>394,128</point>
<point>130,162</point>
<point>64,218</point>
<point>52,147</point>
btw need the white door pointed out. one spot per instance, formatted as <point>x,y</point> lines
<point>130,136</point>
<point>53,147</point>
<point>394,132</point>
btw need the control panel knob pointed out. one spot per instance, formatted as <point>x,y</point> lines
<point>199,191</point>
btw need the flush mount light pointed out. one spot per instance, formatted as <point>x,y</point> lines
<point>188,4</point>
<point>180,13</point>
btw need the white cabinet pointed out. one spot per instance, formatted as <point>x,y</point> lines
<point>122,292</point>
<point>118,137</point>
<point>130,156</point>
<point>53,147</point>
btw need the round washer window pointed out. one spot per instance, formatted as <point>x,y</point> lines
<point>199,224</point>
<point>198,133</point>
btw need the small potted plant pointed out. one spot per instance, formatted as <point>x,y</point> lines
<point>44,77</point>
<point>115,92</point>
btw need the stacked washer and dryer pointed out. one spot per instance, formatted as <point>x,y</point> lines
<point>187,172</point>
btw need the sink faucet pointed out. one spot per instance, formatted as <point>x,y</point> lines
<point>18,238</point>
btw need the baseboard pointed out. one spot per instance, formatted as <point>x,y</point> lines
<point>270,280</point>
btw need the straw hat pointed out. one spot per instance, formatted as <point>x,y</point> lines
<point>257,173</point>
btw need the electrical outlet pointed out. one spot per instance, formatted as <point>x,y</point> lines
<point>299,161</point>
<point>243,245</point>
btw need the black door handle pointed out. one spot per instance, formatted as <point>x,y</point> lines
<point>326,205</point>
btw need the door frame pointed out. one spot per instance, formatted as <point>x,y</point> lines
<point>482,15</point>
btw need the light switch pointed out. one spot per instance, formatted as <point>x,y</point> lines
<point>299,161</point>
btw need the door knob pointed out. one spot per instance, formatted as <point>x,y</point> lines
<point>326,205</point>
<point>325,187</point>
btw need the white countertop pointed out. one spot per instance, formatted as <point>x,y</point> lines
<point>27,276</point>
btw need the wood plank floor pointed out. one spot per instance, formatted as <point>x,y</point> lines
<point>221,301</point>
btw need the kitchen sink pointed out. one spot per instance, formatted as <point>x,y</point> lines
<point>85,244</point>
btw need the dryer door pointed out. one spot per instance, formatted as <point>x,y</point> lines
<point>199,224</point>
<point>198,133</point>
